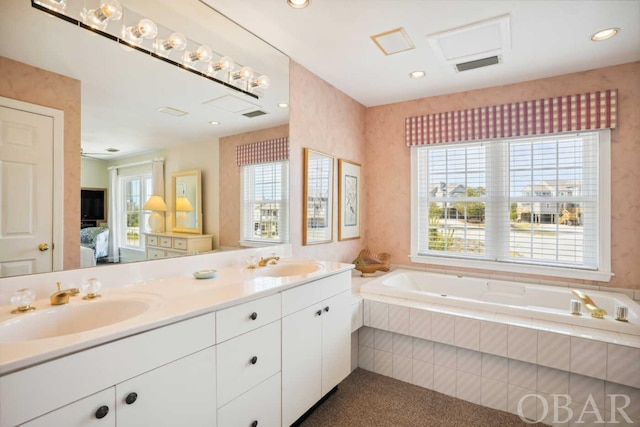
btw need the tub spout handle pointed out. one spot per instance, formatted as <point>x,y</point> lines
<point>588,303</point>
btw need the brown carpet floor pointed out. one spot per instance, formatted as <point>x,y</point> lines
<point>368,399</point>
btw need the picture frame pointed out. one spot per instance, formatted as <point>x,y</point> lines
<point>349,207</point>
<point>317,210</point>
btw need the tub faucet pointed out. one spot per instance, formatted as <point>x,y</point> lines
<point>61,296</point>
<point>268,261</point>
<point>588,303</point>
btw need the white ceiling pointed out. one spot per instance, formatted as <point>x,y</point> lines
<point>331,38</point>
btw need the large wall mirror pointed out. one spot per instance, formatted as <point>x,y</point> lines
<point>134,109</point>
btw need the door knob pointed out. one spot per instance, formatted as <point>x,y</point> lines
<point>43,247</point>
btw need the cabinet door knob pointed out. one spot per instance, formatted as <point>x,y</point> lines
<point>102,412</point>
<point>319,313</point>
<point>326,308</point>
<point>131,397</point>
<point>254,360</point>
<point>254,424</point>
<point>253,316</point>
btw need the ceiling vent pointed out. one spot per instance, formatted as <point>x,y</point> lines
<point>473,46</point>
<point>256,113</point>
<point>478,63</point>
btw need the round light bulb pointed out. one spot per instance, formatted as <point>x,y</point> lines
<point>204,53</point>
<point>245,73</point>
<point>262,81</point>
<point>175,41</point>
<point>111,9</point>
<point>146,29</point>
<point>226,63</point>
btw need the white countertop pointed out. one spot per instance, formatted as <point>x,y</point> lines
<point>172,299</point>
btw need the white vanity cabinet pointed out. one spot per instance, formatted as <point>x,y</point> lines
<point>179,393</point>
<point>172,370</point>
<point>248,363</point>
<point>316,342</point>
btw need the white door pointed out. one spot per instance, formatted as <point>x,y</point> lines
<point>336,340</point>
<point>181,393</point>
<point>26,192</point>
<point>301,362</point>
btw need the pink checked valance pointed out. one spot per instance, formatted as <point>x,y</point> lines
<point>588,111</point>
<point>274,150</point>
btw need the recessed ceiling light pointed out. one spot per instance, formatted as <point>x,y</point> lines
<point>417,74</point>
<point>283,105</point>
<point>298,4</point>
<point>214,123</point>
<point>112,150</point>
<point>605,34</point>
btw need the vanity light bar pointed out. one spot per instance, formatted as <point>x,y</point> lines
<point>246,82</point>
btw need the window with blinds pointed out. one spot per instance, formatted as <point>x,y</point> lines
<point>265,202</point>
<point>525,201</point>
<point>133,219</point>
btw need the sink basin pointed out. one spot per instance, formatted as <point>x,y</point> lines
<point>77,316</point>
<point>288,269</point>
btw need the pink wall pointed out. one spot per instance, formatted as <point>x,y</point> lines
<point>326,120</point>
<point>36,86</point>
<point>230,180</point>
<point>388,160</point>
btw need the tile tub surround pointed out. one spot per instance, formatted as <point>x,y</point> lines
<point>495,362</point>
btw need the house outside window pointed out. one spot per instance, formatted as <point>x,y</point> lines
<point>264,203</point>
<point>521,205</point>
<point>136,189</point>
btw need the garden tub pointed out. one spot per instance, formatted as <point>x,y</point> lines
<point>550,303</point>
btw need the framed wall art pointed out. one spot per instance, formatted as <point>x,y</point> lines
<point>349,189</point>
<point>317,212</point>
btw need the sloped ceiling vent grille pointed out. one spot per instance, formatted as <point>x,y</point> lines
<point>475,42</point>
<point>256,113</point>
<point>478,63</point>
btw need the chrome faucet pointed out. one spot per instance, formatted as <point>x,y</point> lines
<point>268,261</point>
<point>61,297</point>
<point>588,303</point>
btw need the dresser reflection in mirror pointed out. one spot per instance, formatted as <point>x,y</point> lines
<point>167,245</point>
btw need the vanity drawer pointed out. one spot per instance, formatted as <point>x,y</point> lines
<point>246,317</point>
<point>152,240</point>
<point>155,253</point>
<point>246,361</point>
<point>179,243</point>
<point>303,296</point>
<point>165,242</point>
<point>261,404</point>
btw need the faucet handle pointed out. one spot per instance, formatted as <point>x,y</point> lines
<point>92,287</point>
<point>22,299</point>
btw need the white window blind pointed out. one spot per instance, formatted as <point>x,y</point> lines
<point>526,201</point>
<point>265,202</point>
